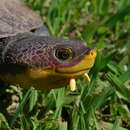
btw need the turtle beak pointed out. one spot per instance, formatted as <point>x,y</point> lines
<point>92,54</point>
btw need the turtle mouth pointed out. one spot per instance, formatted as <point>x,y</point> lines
<point>72,73</point>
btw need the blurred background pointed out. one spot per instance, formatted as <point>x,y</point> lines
<point>102,104</point>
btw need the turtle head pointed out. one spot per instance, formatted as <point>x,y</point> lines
<point>73,59</point>
<point>49,62</point>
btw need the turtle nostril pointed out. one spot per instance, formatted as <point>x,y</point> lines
<point>92,53</point>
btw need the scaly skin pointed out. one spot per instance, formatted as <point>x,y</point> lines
<point>43,62</point>
<point>30,61</point>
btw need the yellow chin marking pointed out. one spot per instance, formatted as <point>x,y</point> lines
<point>49,78</point>
<point>36,73</point>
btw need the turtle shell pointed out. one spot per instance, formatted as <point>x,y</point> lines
<point>16,17</point>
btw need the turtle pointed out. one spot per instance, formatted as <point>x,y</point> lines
<point>31,57</point>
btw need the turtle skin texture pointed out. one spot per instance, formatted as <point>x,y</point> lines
<point>32,59</point>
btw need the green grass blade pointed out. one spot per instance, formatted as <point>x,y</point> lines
<point>116,125</point>
<point>125,76</point>
<point>4,125</point>
<point>33,99</point>
<point>63,126</point>
<point>21,106</point>
<point>119,86</point>
<point>112,21</point>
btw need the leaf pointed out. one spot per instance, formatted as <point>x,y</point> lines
<point>3,123</point>
<point>119,86</point>
<point>33,99</point>
<point>89,32</point>
<point>125,76</point>
<point>25,123</point>
<point>116,125</point>
<point>21,106</point>
<point>112,21</point>
<point>109,126</point>
<point>62,125</point>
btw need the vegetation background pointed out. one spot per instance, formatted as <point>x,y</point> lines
<point>102,104</point>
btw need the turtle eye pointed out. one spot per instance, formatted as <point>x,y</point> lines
<point>64,53</point>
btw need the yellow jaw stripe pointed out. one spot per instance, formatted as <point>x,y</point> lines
<point>70,72</point>
<point>49,77</point>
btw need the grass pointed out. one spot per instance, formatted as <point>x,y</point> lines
<point>102,104</point>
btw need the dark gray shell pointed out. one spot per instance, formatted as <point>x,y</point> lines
<point>15,17</point>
